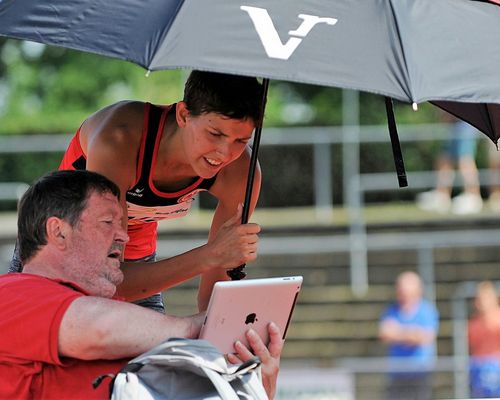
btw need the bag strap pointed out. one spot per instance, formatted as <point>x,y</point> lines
<point>248,365</point>
<point>130,367</point>
<point>249,374</point>
<point>223,387</point>
<point>252,384</point>
<point>250,381</point>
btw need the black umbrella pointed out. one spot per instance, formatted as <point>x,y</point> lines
<point>443,51</point>
<point>411,50</point>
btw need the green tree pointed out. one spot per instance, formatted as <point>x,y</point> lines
<point>45,89</point>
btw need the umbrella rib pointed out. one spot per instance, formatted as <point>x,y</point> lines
<point>402,49</point>
<point>161,37</point>
<point>491,124</point>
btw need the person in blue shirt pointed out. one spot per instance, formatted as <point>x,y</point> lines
<point>409,327</point>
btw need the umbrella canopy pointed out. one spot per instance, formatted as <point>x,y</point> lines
<point>444,51</point>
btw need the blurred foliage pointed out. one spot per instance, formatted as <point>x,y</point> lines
<point>46,89</point>
<point>52,90</point>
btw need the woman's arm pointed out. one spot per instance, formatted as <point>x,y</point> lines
<point>229,189</point>
<point>233,244</point>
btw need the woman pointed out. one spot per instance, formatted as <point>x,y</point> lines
<point>161,157</point>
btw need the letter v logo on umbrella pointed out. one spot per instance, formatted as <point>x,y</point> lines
<point>269,36</point>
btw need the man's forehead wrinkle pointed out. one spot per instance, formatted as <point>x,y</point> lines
<point>101,204</point>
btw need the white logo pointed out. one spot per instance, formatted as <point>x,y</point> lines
<point>270,38</point>
<point>137,192</point>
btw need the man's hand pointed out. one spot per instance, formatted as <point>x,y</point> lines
<point>270,355</point>
<point>234,244</point>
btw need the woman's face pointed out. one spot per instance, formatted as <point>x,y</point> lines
<point>212,141</point>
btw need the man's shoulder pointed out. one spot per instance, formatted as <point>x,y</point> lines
<point>19,280</point>
<point>391,310</point>
<point>428,314</point>
<point>428,306</point>
<point>392,307</point>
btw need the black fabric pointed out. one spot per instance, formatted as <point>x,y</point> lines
<point>80,163</point>
<point>409,50</point>
<point>142,194</point>
<point>396,146</point>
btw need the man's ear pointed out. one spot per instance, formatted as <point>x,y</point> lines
<point>181,114</point>
<point>57,231</point>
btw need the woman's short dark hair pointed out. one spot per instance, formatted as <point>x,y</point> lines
<point>61,194</point>
<point>233,96</point>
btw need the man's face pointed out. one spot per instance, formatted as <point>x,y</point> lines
<point>213,141</point>
<point>408,289</point>
<point>96,245</point>
<point>486,299</point>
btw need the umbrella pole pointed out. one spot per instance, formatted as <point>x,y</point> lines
<point>396,146</point>
<point>237,274</point>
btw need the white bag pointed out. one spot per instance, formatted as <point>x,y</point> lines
<point>187,369</point>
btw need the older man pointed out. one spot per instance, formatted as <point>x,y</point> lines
<point>61,326</point>
<point>409,326</point>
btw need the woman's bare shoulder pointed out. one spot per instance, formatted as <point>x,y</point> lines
<point>119,122</point>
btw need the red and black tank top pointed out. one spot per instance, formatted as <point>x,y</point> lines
<point>146,205</point>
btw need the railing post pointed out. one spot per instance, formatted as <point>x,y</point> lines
<point>426,270</point>
<point>357,241</point>
<point>353,200</point>
<point>350,140</point>
<point>323,180</point>
<point>460,344</point>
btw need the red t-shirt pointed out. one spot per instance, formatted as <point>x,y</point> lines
<point>484,338</point>
<point>31,311</point>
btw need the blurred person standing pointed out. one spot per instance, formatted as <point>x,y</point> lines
<point>484,343</point>
<point>459,151</point>
<point>409,327</point>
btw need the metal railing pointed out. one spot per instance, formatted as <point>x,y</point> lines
<point>356,185</point>
<point>321,138</point>
<point>424,245</point>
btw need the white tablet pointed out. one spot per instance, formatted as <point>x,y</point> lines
<point>236,306</point>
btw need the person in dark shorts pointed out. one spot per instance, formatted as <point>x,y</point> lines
<point>458,153</point>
